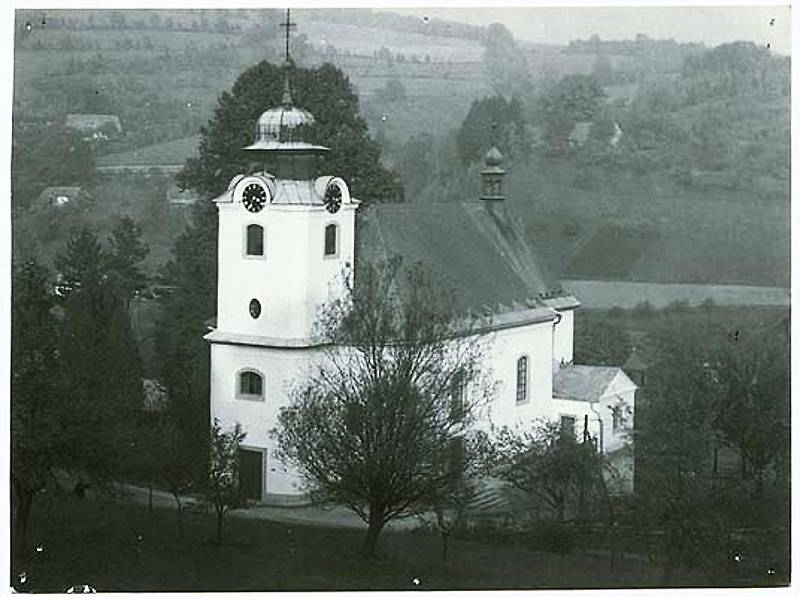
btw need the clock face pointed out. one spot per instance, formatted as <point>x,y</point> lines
<point>333,198</point>
<point>254,197</point>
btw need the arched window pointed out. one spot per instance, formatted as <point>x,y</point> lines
<point>331,240</point>
<point>251,386</point>
<point>522,379</point>
<point>255,240</point>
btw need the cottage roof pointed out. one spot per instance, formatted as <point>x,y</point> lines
<point>587,383</point>
<point>477,249</point>
<point>176,195</point>
<point>60,195</point>
<point>88,123</point>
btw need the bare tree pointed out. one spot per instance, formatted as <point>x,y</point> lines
<point>378,425</point>
<point>221,487</point>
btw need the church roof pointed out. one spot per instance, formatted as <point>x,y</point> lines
<point>475,248</point>
<point>587,383</point>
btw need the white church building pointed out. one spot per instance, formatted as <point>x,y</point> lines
<point>285,237</point>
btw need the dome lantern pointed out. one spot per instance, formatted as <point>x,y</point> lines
<point>492,175</point>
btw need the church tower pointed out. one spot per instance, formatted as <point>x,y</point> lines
<point>286,246</point>
<point>286,239</point>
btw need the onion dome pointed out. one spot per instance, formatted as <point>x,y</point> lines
<point>277,128</point>
<point>493,157</point>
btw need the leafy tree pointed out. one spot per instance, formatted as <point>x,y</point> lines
<point>603,70</point>
<point>375,428</point>
<point>221,487</point>
<point>392,91</point>
<point>38,413</point>
<point>328,95</point>
<point>504,62</point>
<point>599,342</point>
<point>575,98</point>
<point>491,121</point>
<point>752,378</point>
<point>552,466</point>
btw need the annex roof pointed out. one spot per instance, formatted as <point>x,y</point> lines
<point>475,248</point>
<point>589,383</point>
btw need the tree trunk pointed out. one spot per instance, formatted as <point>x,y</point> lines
<point>20,511</point>
<point>220,514</point>
<point>180,514</point>
<point>445,545</point>
<point>150,498</point>
<point>376,523</point>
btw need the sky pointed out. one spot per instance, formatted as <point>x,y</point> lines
<point>711,25</point>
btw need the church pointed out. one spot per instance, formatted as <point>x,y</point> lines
<point>285,239</point>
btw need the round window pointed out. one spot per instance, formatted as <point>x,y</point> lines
<point>255,309</point>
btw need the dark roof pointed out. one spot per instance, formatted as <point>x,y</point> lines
<point>476,248</point>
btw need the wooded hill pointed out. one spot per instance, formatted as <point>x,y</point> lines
<point>696,190</point>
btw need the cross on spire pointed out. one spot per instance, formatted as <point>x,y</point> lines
<point>288,26</point>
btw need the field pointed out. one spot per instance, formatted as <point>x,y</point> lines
<point>365,40</point>
<point>121,547</point>
<point>710,237</point>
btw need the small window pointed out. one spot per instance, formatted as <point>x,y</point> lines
<point>616,417</point>
<point>251,386</point>
<point>330,239</point>
<point>522,379</point>
<point>255,308</point>
<point>255,240</point>
<point>568,427</point>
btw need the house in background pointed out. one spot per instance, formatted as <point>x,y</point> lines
<point>285,237</point>
<point>55,197</point>
<point>180,197</point>
<point>95,127</point>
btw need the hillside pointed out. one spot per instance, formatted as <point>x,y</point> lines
<point>697,192</point>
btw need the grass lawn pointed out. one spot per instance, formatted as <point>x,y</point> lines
<point>95,542</point>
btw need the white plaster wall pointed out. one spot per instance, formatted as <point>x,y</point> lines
<point>293,277</point>
<point>563,337</point>
<point>502,349</point>
<point>281,368</point>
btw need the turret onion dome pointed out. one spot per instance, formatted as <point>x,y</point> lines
<point>276,129</point>
<point>493,157</point>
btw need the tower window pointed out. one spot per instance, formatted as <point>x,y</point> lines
<point>522,379</point>
<point>331,240</point>
<point>251,386</point>
<point>255,240</point>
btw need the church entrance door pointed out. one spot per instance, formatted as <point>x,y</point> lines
<point>251,473</point>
